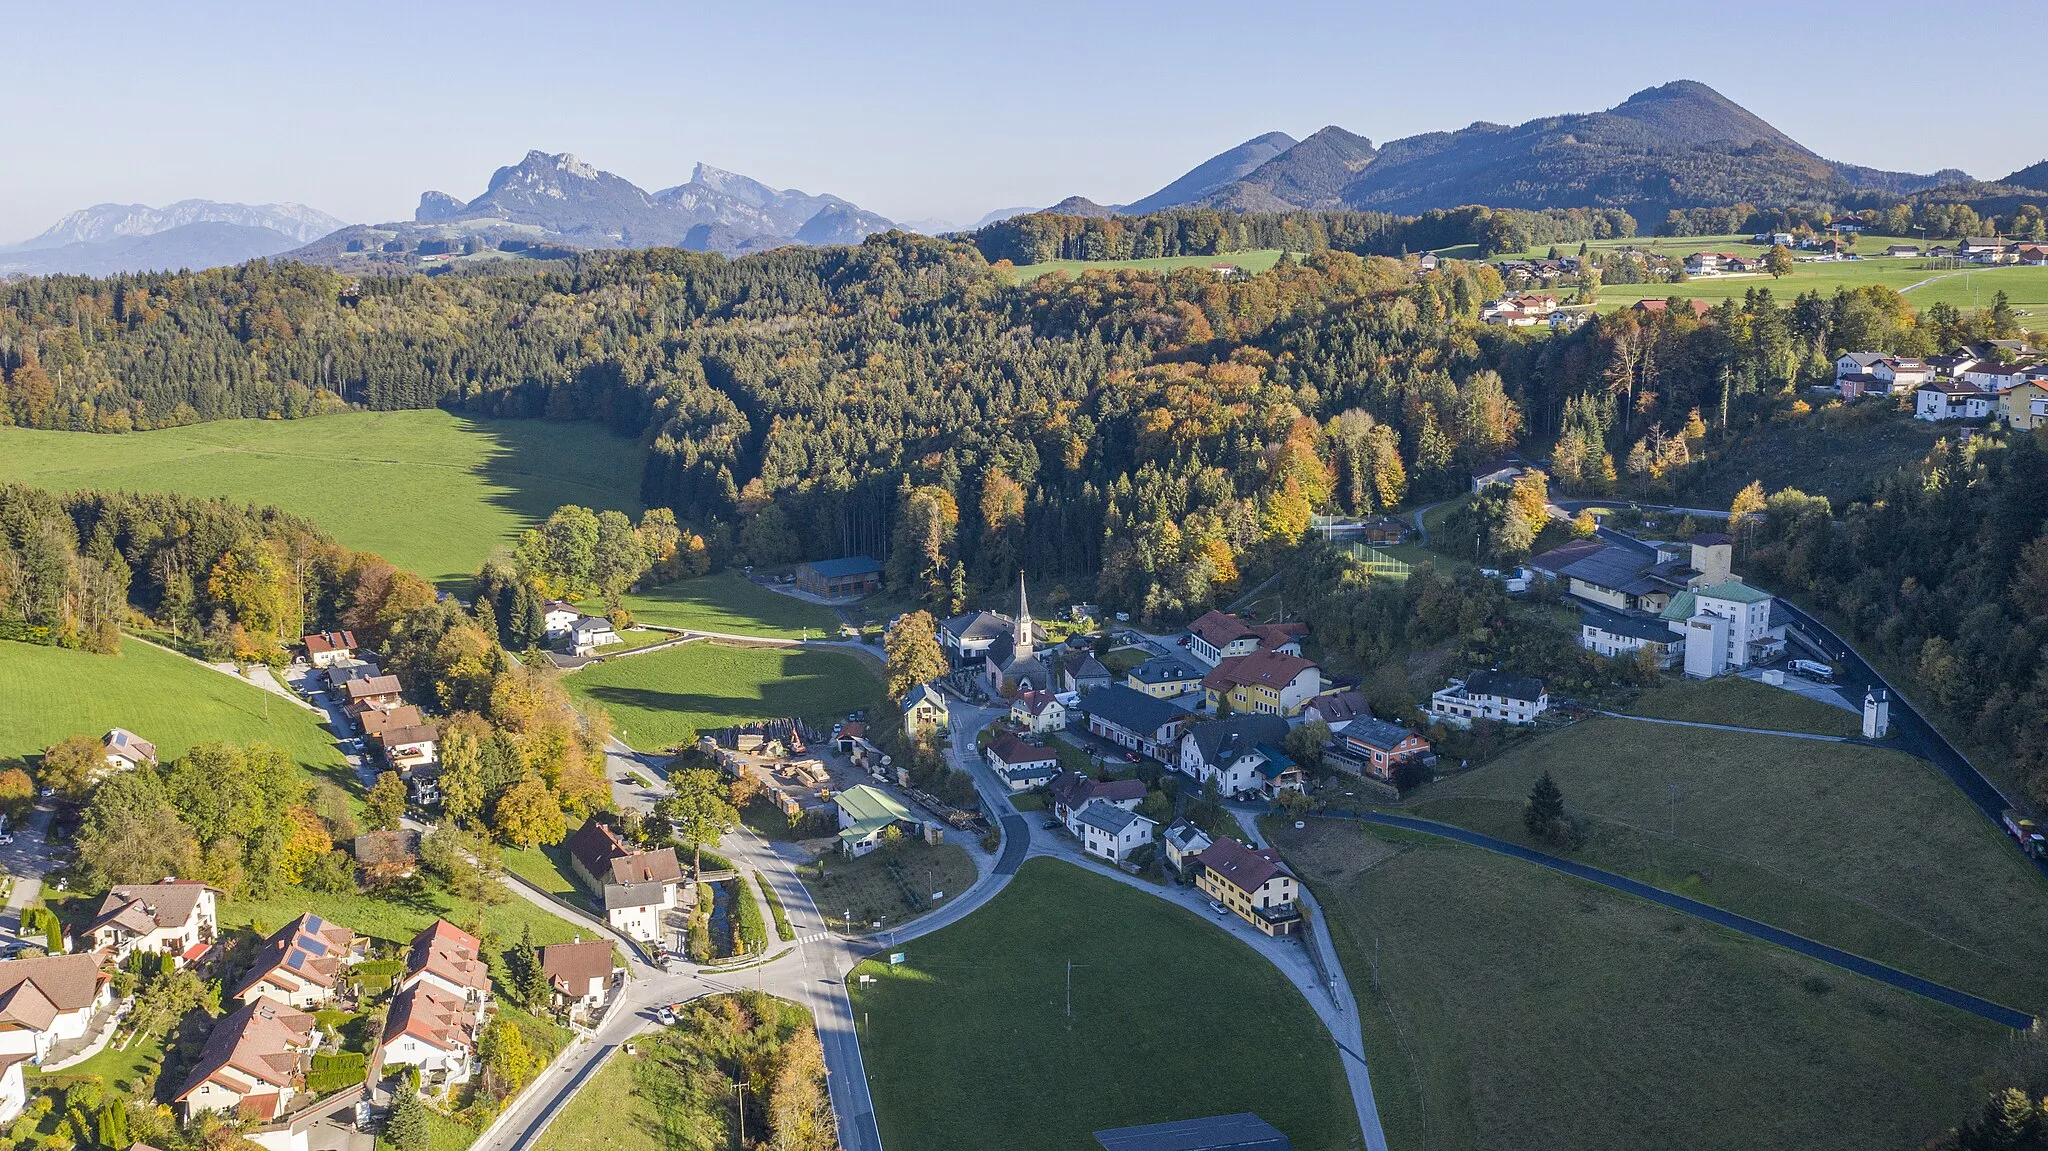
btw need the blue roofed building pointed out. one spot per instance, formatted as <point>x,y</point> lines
<point>842,578</point>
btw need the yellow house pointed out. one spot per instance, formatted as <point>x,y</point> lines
<point>1264,683</point>
<point>1253,885</point>
<point>2025,405</point>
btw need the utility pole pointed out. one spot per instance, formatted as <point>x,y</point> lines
<point>1674,811</point>
<point>1070,990</point>
<point>740,1085</point>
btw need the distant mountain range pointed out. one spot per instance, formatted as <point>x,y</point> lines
<point>109,238</point>
<point>556,201</point>
<point>1675,146</point>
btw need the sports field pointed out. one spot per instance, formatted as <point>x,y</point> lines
<point>173,702</point>
<point>1868,849</point>
<point>430,491</point>
<point>665,698</point>
<point>1250,262</point>
<point>969,1043</point>
<point>1515,1007</point>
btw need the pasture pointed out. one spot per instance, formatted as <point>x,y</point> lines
<point>1868,849</point>
<point>666,697</point>
<point>1504,1005</point>
<point>969,1043</point>
<point>163,697</point>
<point>430,491</point>
<point>1250,262</point>
<point>729,602</point>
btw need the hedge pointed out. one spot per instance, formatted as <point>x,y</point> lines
<point>782,927</point>
<point>753,934</point>
<point>333,1072</point>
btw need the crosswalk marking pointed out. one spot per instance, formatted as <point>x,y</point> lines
<point>814,937</point>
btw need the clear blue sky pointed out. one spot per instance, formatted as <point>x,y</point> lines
<point>918,110</point>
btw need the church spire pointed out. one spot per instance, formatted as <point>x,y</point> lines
<point>1023,643</point>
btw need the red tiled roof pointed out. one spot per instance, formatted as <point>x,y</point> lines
<point>451,953</point>
<point>320,643</point>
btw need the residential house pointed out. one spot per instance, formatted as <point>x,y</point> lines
<point>637,888</point>
<point>174,917</point>
<point>1900,375</point>
<point>1501,471</point>
<point>967,638</point>
<point>1941,400</point>
<point>449,961</point>
<point>1426,262</point>
<point>302,964</point>
<point>1713,263</point>
<point>1183,841</point>
<point>1254,885</point>
<point>1021,765</point>
<point>1038,712</point>
<point>383,856</point>
<point>1165,677</point>
<point>1491,695</point>
<point>1072,793</point>
<point>49,1000</point>
<point>1698,308</point>
<point>1383,747</point>
<point>1084,673</point>
<point>126,750</point>
<point>1953,364</point>
<point>253,1064</point>
<point>638,910</point>
<point>1902,250</point>
<point>375,723</point>
<point>327,648</point>
<point>2025,404</point>
<point>1232,752</point>
<point>865,814</point>
<point>1382,531</point>
<point>1111,832</point>
<point>14,1087</point>
<point>558,616</point>
<point>378,692</point>
<point>1217,636</point>
<point>1996,377</point>
<point>1726,626</point>
<point>1978,245</point>
<point>580,973</point>
<point>431,1028</point>
<point>1334,709</point>
<point>340,675</point>
<point>1615,634</point>
<point>925,712</point>
<point>840,578</point>
<point>1264,682</point>
<point>590,633</point>
<point>1132,719</point>
<point>407,747</point>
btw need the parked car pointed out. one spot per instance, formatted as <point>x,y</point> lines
<point>1218,908</point>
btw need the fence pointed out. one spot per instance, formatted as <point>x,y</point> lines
<point>1376,561</point>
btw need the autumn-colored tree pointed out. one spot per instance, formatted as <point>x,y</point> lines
<point>384,807</point>
<point>528,814</point>
<point>914,653</point>
<point>70,765</point>
<point>1778,261</point>
<point>306,841</point>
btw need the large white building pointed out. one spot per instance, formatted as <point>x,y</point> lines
<point>1492,695</point>
<point>1725,626</point>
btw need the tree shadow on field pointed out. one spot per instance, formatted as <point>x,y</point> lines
<point>531,467</point>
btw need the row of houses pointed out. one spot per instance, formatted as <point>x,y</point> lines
<point>397,731</point>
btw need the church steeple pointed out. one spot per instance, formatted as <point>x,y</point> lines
<point>1022,641</point>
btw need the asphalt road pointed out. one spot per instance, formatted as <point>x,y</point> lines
<point>1847,961</point>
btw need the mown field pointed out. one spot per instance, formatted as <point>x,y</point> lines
<point>968,1043</point>
<point>1519,1008</point>
<point>428,490</point>
<point>666,697</point>
<point>1868,849</point>
<point>729,602</point>
<point>49,693</point>
<point>1251,262</point>
<point>1922,283</point>
<point>1743,703</point>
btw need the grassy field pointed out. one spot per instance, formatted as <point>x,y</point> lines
<point>610,1112</point>
<point>968,1043</point>
<point>1744,703</point>
<point>548,869</point>
<point>50,693</point>
<point>1519,1008</point>
<point>865,887</point>
<point>729,602</point>
<point>1836,453</point>
<point>1868,849</point>
<point>2027,288</point>
<point>1251,262</point>
<point>397,919</point>
<point>428,490</point>
<point>664,698</point>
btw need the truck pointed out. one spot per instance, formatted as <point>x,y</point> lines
<point>2022,829</point>
<point>1812,669</point>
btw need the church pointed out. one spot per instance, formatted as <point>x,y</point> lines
<point>1014,662</point>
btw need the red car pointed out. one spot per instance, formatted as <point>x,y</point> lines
<point>1133,757</point>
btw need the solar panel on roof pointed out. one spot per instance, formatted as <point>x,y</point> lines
<point>315,923</point>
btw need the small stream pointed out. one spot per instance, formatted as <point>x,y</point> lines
<point>722,942</point>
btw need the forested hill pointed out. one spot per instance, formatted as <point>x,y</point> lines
<point>1138,436</point>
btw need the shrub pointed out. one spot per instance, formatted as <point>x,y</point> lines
<point>782,928</point>
<point>752,933</point>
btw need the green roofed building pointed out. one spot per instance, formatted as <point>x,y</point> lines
<point>864,814</point>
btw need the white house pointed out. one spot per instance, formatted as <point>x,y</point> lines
<point>253,1064</point>
<point>1184,841</point>
<point>580,973</point>
<point>1021,765</point>
<point>174,917</point>
<point>433,1029</point>
<point>1856,363</point>
<point>1111,832</point>
<point>47,1001</point>
<point>591,632</point>
<point>1232,752</point>
<point>1073,793</point>
<point>559,616</point>
<point>1939,400</point>
<point>1217,636</point>
<point>1902,375</point>
<point>327,648</point>
<point>451,961</point>
<point>1613,635</point>
<point>126,750</point>
<point>638,910</point>
<point>1038,712</point>
<point>1494,695</point>
<point>13,1086</point>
